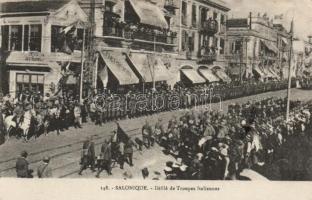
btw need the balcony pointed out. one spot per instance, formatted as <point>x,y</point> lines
<point>120,31</point>
<point>207,55</point>
<point>209,27</point>
<point>152,36</point>
<point>170,6</point>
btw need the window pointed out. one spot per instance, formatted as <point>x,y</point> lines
<point>194,16</point>
<point>184,13</point>
<point>32,83</point>
<point>215,15</point>
<point>222,20</point>
<point>56,39</point>
<point>16,38</point>
<point>222,46</point>
<point>5,37</point>
<point>35,38</point>
<point>236,46</point>
<point>191,42</point>
<point>184,40</point>
<point>72,40</point>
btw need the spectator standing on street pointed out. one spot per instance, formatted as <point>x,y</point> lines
<point>77,115</point>
<point>44,170</point>
<point>22,166</point>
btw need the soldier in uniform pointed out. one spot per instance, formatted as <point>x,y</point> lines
<point>105,160</point>
<point>128,151</point>
<point>146,134</point>
<point>88,155</point>
<point>22,166</point>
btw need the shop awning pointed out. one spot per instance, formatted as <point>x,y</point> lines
<point>274,73</point>
<point>117,64</point>
<point>149,67</point>
<point>149,13</point>
<point>193,76</point>
<point>208,75</point>
<point>71,80</point>
<point>270,45</point>
<point>267,73</point>
<point>259,72</point>
<point>223,76</point>
<point>285,40</point>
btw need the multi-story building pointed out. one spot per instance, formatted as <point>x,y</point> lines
<point>35,46</point>
<point>152,40</point>
<point>201,28</point>
<point>257,47</point>
<point>302,59</point>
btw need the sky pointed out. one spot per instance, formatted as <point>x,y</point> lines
<point>299,10</point>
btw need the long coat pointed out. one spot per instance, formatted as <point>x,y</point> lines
<point>106,152</point>
<point>22,168</point>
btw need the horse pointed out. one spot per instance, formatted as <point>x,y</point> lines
<point>10,125</point>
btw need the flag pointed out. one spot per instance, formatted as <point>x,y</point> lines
<point>67,29</point>
<point>292,27</point>
<point>121,134</point>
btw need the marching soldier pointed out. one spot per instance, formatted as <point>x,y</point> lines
<point>146,134</point>
<point>128,150</point>
<point>88,155</point>
<point>105,160</point>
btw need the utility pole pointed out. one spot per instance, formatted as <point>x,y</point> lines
<point>82,66</point>
<point>153,64</point>
<point>289,71</point>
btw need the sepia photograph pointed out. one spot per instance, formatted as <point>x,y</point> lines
<point>156,90</point>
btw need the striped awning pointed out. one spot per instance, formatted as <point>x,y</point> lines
<point>223,76</point>
<point>149,13</point>
<point>208,75</point>
<point>270,45</point>
<point>259,72</point>
<point>117,64</point>
<point>149,67</point>
<point>193,76</point>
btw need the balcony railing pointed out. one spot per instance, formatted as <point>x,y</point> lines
<point>169,5</point>
<point>209,27</point>
<point>207,55</point>
<point>113,31</point>
<point>151,37</point>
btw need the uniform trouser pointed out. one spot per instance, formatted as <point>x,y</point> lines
<point>104,164</point>
<point>128,157</point>
<point>147,141</point>
<point>121,160</point>
<point>85,162</point>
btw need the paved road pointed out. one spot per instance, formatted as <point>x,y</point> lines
<point>65,149</point>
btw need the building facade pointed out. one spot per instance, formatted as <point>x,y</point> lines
<point>257,47</point>
<point>35,56</point>
<point>155,39</point>
<point>302,59</point>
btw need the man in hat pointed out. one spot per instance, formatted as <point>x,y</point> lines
<point>105,160</point>
<point>22,166</point>
<point>129,151</point>
<point>146,134</point>
<point>88,155</point>
<point>44,170</point>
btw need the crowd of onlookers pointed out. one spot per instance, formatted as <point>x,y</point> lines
<point>211,145</point>
<point>37,114</point>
